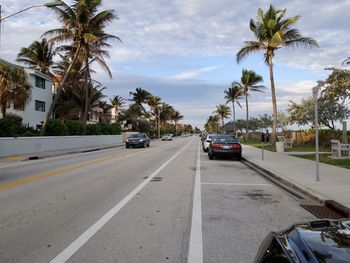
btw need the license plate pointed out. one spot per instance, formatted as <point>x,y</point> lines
<point>225,147</point>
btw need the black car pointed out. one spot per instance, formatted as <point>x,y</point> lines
<point>224,145</point>
<point>322,241</point>
<point>137,140</point>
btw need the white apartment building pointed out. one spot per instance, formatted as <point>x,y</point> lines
<point>37,107</point>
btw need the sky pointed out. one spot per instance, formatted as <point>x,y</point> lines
<point>184,50</point>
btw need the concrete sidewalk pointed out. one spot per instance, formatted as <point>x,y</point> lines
<point>334,181</point>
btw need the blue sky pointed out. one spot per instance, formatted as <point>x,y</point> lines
<point>184,50</point>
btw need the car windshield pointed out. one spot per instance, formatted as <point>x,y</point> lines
<point>225,139</point>
<point>136,135</point>
<point>167,135</point>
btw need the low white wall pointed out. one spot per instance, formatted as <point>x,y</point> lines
<point>38,145</point>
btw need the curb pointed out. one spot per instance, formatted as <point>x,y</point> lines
<point>297,190</point>
<point>54,154</point>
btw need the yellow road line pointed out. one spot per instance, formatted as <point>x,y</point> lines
<point>59,171</point>
<point>14,158</point>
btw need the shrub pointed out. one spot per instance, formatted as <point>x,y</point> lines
<point>75,127</point>
<point>56,128</point>
<point>11,126</point>
<point>116,129</point>
<point>93,129</point>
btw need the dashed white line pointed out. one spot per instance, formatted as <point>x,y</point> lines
<point>195,253</point>
<point>68,252</point>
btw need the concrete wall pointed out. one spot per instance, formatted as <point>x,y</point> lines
<point>39,145</point>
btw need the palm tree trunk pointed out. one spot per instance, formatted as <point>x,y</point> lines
<point>59,91</point>
<point>274,102</point>
<point>247,114</point>
<point>222,124</point>
<point>234,116</point>
<point>3,110</point>
<point>87,84</point>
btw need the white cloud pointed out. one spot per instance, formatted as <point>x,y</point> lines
<point>192,73</point>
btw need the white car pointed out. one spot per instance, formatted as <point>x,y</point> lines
<point>167,137</point>
<point>207,141</point>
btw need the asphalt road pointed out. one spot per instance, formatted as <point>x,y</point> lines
<point>166,203</point>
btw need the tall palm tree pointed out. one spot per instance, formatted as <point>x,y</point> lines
<point>117,103</point>
<point>39,56</point>
<point>154,103</point>
<point>249,81</point>
<point>83,27</point>
<point>14,88</point>
<point>233,94</point>
<point>140,97</point>
<point>223,111</point>
<point>176,117</point>
<point>272,32</point>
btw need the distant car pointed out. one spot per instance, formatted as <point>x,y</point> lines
<point>183,135</point>
<point>137,140</point>
<point>206,141</point>
<point>224,145</point>
<point>322,241</point>
<point>167,137</point>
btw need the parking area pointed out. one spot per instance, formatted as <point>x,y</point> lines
<point>239,208</point>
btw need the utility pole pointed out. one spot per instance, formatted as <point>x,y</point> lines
<point>315,96</point>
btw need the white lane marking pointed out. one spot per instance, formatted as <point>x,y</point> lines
<point>195,254</point>
<point>237,184</point>
<point>81,240</point>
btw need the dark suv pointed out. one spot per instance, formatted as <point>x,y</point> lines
<point>137,140</point>
<point>322,241</point>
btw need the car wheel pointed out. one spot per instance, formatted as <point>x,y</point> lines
<point>148,145</point>
<point>211,156</point>
<point>144,145</point>
<point>206,150</point>
<point>127,146</point>
<point>239,157</point>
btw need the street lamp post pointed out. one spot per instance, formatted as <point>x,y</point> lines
<point>50,4</point>
<point>315,96</point>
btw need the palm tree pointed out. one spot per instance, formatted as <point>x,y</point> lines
<point>14,88</point>
<point>84,27</point>
<point>176,117</point>
<point>233,94</point>
<point>39,56</point>
<point>272,32</point>
<point>249,81</point>
<point>154,103</point>
<point>117,103</point>
<point>212,124</point>
<point>139,97</point>
<point>223,112</point>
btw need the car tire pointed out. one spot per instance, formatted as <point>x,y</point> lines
<point>211,156</point>
<point>206,150</point>
<point>144,145</point>
<point>148,145</point>
<point>239,157</point>
<point>127,146</point>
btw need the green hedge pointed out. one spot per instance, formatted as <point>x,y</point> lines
<point>11,126</point>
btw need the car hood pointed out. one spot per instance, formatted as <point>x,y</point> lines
<point>318,241</point>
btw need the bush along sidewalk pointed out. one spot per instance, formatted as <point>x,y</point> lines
<point>11,126</point>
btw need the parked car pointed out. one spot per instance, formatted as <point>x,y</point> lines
<point>322,241</point>
<point>167,137</point>
<point>224,145</point>
<point>206,141</point>
<point>137,140</point>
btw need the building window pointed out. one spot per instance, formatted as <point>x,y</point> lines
<point>39,105</point>
<point>39,82</point>
<point>19,106</point>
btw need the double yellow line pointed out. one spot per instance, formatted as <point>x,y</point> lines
<point>61,171</point>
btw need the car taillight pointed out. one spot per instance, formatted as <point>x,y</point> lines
<point>235,146</point>
<point>216,145</point>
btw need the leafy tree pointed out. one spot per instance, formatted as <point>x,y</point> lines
<point>265,121</point>
<point>282,120</point>
<point>39,56</point>
<point>212,124</point>
<point>83,27</point>
<point>117,102</point>
<point>154,103</point>
<point>336,86</point>
<point>233,94</point>
<point>176,117</point>
<point>223,112</point>
<point>329,113</point>
<point>14,88</point>
<point>273,31</point>
<point>140,97</point>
